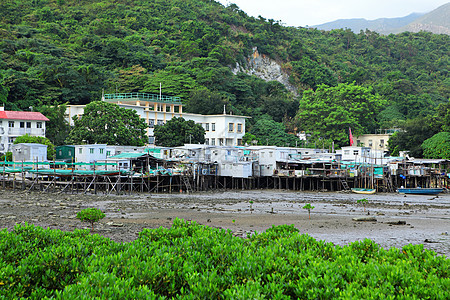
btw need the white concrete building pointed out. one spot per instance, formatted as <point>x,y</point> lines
<point>222,130</point>
<point>17,123</point>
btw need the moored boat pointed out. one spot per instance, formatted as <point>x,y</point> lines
<point>363,191</point>
<point>421,191</point>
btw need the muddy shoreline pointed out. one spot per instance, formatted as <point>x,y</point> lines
<point>400,220</point>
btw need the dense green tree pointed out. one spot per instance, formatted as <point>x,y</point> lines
<point>57,128</point>
<point>437,146</point>
<point>268,132</point>
<point>443,116</point>
<point>107,123</point>
<point>205,102</point>
<point>249,139</point>
<point>7,156</point>
<point>313,74</point>
<point>177,132</point>
<point>3,91</point>
<point>329,112</point>
<point>38,140</point>
<point>411,138</point>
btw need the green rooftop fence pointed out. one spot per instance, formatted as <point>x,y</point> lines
<point>142,97</point>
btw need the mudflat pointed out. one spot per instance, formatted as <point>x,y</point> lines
<point>391,220</point>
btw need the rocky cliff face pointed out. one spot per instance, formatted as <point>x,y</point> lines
<point>266,69</point>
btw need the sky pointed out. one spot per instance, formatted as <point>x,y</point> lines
<point>315,12</point>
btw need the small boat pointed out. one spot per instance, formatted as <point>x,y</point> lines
<point>363,191</point>
<point>421,191</point>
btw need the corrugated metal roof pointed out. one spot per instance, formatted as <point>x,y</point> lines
<point>23,115</point>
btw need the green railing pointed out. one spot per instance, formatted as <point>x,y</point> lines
<point>143,97</point>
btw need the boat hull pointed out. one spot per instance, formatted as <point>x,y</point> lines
<point>421,191</point>
<point>363,191</point>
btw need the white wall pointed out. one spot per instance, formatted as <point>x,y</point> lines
<point>29,152</point>
<point>90,153</point>
<point>9,134</point>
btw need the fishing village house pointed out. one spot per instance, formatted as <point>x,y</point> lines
<point>362,155</point>
<point>236,162</point>
<point>112,150</point>
<point>17,123</point>
<point>275,160</point>
<point>29,152</point>
<point>89,154</point>
<point>221,129</point>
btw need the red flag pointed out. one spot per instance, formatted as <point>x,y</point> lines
<point>351,136</point>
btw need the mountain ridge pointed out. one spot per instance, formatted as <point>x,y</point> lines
<point>435,21</point>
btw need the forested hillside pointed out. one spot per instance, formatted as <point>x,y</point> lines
<point>68,51</point>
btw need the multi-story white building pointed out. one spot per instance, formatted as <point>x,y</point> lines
<point>17,123</point>
<point>222,130</point>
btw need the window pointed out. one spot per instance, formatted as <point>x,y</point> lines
<point>28,124</point>
<point>60,152</point>
<point>91,150</point>
<point>70,152</point>
<point>101,151</point>
<point>355,152</point>
<point>213,142</point>
<point>213,126</point>
<point>207,126</point>
<point>271,154</point>
<point>108,153</point>
<point>160,122</point>
<point>370,143</point>
<point>206,141</point>
<point>39,125</point>
<point>125,165</point>
<point>151,139</point>
<point>381,143</point>
<point>11,124</point>
<point>239,127</point>
<point>80,150</point>
<point>22,124</point>
<point>151,123</point>
<point>346,152</point>
<point>230,127</point>
<point>262,154</point>
<point>239,142</point>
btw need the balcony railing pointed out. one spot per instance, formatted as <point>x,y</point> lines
<point>23,131</point>
<point>142,97</point>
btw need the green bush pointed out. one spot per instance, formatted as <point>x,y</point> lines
<point>191,261</point>
<point>90,215</point>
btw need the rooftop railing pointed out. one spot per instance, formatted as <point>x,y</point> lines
<point>143,97</point>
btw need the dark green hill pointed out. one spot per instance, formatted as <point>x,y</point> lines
<point>70,50</point>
